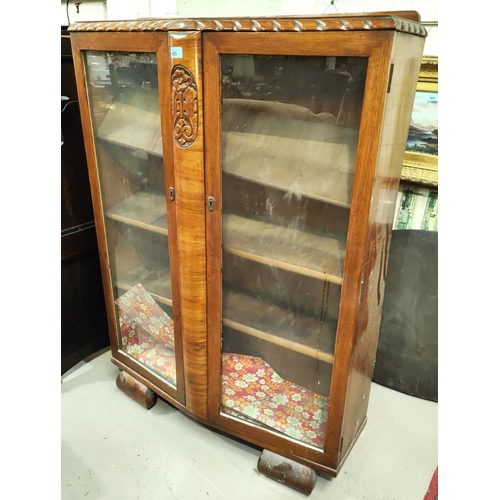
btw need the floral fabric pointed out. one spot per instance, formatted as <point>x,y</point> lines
<point>142,308</point>
<point>147,332</point>
<point>253,391</point>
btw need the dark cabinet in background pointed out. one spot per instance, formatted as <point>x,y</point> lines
<point>83,313</point>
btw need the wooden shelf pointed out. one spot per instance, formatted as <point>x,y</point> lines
<point>280,326</point>
<point>268,202</point>
<point>133,128</point>
<point>303,154</point>
<point>284,247</point>
<point>144,209</point>
<point>272,323</point>
<point>157,282</point>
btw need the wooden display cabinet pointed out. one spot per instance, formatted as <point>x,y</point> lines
<point>244,175</point>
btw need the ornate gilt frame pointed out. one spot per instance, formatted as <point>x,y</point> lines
<point>418,167</point>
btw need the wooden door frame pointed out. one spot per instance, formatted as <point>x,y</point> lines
<point>377,47</point>
<point>141,42</point>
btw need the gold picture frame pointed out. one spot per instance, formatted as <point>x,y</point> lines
<point>418,167</point>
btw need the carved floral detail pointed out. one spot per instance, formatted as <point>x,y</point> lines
<point>184,98</point>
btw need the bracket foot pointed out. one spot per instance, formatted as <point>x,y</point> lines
<point>136,390</point>
<point>283,470</point>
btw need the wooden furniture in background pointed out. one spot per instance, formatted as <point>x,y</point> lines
<point>244,234</point>
<point>83,313</point>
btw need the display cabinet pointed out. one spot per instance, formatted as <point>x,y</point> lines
<point>244,175</point>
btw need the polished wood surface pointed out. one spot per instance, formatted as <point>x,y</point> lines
<point>192,136</point>
<point>136,390</point>
<point>366,160</point>
<point>286,471</point>
<point>170,185</point>
<point>406,21</point>
<point>398,108</point>
<point>377,47</point>
<point>188,164</point>
<point>116,206</point>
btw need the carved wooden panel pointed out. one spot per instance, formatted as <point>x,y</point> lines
<point>184,106</point>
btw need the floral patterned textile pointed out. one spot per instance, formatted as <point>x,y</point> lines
<point>140,306</point>
<point>253,391</point>
<point>147,332</point>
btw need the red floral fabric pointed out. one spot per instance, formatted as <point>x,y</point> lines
<point>253,391</point>
<point>140,306</point>
<point>147,332</point>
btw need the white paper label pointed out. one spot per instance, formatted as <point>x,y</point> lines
<point>176,52</point>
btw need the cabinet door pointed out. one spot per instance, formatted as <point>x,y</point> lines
<point>133,195</point>
<point>282,177</point>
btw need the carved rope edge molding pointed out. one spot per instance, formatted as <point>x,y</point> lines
<point>184,98</point>
<point>247,24</point>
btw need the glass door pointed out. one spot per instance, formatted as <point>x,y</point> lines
<point>289,137</point>
<point>123,93</point>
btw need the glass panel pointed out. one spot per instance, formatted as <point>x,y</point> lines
<point>123,94</point>
<point>289,141</point>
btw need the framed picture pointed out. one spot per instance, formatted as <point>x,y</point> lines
<point>420,164</point>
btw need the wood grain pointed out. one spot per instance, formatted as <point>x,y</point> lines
<point>377,48</point>
<point>397,112</point>
<point>105,174</point>
<point>202,262</point>
<point>288,472</point>
<point>366,161</point>
<point>212,90</point>
<point>170,183</point>
<point>188,166</point>
<point>136,390</point>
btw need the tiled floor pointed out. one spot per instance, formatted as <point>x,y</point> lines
<point>113,449</point>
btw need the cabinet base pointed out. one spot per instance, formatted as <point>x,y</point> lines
<point>283,470</point>
<point>136,390</point>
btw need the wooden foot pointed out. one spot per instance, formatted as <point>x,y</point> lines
<point>283,470</point>
<point>136,390</point>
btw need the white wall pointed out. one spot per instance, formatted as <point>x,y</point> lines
<point>89,11</point>
<point>132,9</point>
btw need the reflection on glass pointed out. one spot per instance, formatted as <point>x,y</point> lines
<point>289,142</point>
<point>123,94</point>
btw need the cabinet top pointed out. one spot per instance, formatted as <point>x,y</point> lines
<point>405,21</point>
